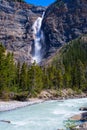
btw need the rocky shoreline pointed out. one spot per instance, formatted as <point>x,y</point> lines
<point>43,96</point>
<point>61,94</point>
<point>82,117</point>
<point>11,105</point>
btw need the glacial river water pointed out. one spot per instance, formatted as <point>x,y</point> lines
<point>49,115</point>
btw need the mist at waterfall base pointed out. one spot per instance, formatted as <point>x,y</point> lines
<point>38,36</point>
<point>49,115</point>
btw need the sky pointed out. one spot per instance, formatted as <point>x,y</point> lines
<point>40,2</point>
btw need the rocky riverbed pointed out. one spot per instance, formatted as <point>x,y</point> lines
<point>82,117</point>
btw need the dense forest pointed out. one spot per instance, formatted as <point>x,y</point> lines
<point>68,69</point>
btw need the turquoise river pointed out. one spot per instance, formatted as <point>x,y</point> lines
<point>49,115</point>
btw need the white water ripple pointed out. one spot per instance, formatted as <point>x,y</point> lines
<point>50,115</point>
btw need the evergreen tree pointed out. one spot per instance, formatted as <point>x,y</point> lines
<point>18,71</point>
<point>23,77</point>
<point>10,70</point>
<point>2,66</point>
<point>80,74</point>
<point>35,83</point>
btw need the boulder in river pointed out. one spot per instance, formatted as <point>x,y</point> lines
<point>6,121</point>
<point>80,117</point>
<point>83,109</point>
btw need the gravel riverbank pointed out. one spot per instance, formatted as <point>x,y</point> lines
<point>11,105</point>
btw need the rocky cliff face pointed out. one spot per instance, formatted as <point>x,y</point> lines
<point>16,20</point>
<point>64,20</point>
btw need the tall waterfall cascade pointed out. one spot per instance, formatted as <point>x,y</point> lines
<point>38,36</point>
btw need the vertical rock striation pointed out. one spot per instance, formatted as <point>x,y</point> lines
<point>64,21</point>
<point>16,21</point>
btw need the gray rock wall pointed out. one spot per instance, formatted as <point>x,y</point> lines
<point>64,21</point>
<point>16,20</point>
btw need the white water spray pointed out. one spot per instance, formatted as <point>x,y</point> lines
<point>38,40</point>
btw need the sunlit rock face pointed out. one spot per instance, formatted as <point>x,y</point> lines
<point>30,36</point>
<point>16,21</point>
<point>64,21</point>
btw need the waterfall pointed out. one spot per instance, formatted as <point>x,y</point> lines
<point>38,40</point>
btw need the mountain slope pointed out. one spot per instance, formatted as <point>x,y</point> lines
<point>71,62</point>
<point>64,21</point>
<point>16,20</point>
<point>70,52</point>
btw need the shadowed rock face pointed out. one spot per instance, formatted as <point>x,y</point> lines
<point>16,20</point>
<point>83,109</point>
<point>64,20</point>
